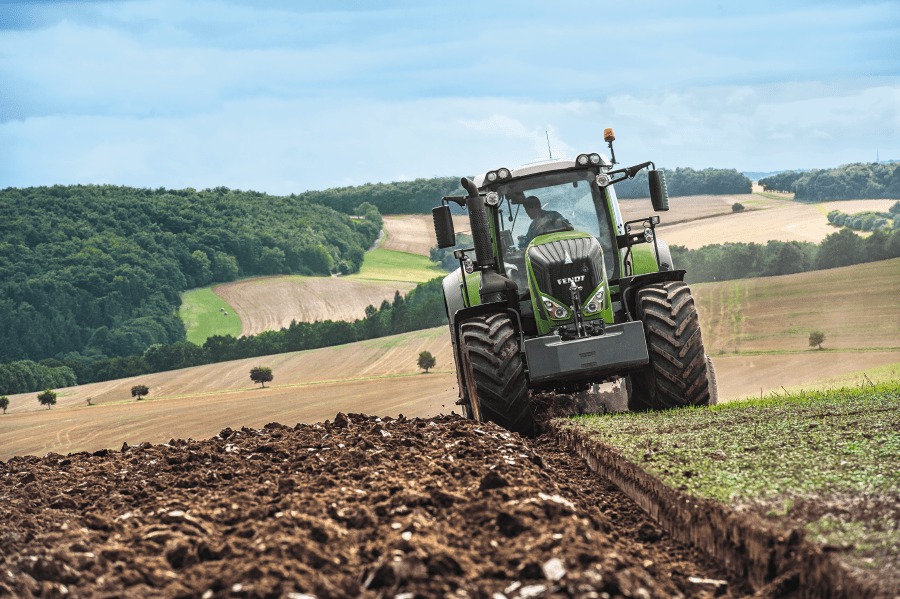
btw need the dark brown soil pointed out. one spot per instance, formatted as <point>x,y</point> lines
<point>444,507</point>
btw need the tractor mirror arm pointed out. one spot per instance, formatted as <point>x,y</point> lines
<point>459,200</point>
<point>627,173</point>
<point>631,171</point>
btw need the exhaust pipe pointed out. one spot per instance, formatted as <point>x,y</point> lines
<point>481,233</point>
<point>493,287</point>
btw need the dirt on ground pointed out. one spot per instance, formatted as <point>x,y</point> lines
<point>357,507</point>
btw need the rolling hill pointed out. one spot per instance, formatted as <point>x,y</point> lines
<point>380,375</point>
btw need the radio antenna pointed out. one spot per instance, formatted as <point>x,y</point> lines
<point>548,145</point>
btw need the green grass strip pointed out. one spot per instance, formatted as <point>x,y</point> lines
<point>388,265</point>
<point>204,315</point>
<point>838,441</point>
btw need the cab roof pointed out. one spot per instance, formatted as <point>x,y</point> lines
<point>555,164</point>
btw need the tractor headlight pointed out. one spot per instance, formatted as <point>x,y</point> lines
<point>503,173</point>
<point>492,198</point>
<point>602,180</point>
<point>595,304</point>
<point>556,310</point>
<point>491,176</point>
<point>583,159</point>
<point>648,234</point>
<point>595,158</point>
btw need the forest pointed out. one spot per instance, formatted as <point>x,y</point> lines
<point>95,271</point>
<point>403,197</point>
<point>866,181</point>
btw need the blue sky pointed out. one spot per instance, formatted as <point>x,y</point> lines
<point>282,96</point>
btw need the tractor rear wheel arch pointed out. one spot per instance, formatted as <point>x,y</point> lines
<point>494,372</point>
<point>678,373</point>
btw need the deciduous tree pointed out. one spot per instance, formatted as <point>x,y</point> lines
<point>47,398</point>
<point>139,391</point>
<point>426,361</point>
<point>816,338</point>
<point>4,403</point>
<point>261,375</point>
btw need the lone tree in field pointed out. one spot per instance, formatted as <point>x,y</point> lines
<point>816,338</point>
<point>426,361</point>
<point>261,375</point>
<point>4,403</point>
<point>139,391</point>
<point>47,398</point>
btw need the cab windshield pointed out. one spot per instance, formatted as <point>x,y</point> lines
<point>566,202</point>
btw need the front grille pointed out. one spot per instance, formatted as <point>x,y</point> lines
<point>548,261</point>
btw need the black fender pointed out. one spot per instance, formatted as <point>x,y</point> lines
<point>629,286</point>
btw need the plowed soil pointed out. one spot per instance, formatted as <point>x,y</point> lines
<point>407,508</point>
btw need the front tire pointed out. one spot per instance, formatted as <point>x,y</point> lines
<point>678,374</point>
<point>494,373</point>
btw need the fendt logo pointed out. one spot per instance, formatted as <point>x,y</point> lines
<point>577,279</point>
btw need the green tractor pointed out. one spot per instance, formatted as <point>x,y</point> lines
<point>559,293</point>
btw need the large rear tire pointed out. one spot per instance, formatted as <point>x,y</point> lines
<point>494,373</point>
<point>677,375</point>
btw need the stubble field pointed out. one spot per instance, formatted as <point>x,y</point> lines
<point>270,303</point>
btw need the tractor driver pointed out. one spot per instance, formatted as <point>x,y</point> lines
<point>542,221</point>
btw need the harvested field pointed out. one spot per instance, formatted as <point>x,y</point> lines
<point>414,233</point>
<point>778,313</point>
<point>690,208</point>
<point>778,220</point>
<point>383,357</point>
<point>356,508</point>
<point>749,375</point>
<point>270,303</point>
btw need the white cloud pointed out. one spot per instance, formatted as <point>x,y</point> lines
<point>282,97</point>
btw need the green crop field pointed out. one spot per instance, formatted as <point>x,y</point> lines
<point>387,265</point>
<point>810,458</point>
<point>203,313</point>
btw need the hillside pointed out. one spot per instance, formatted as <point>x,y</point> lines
<point>380,375</point>
<point>856,307</point>
<point>93,271</point>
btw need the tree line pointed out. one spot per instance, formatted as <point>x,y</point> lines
<point>421,308</point>
<point>402,197</point>
<point>847,182</point>
<point>685,181</point>
<point>89,272</point>
<point>868,221</point>
<point>749,260</point>
<point>421,195</point>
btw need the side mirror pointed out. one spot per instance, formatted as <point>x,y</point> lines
<point>443,226</point>
<point>659,197</point>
